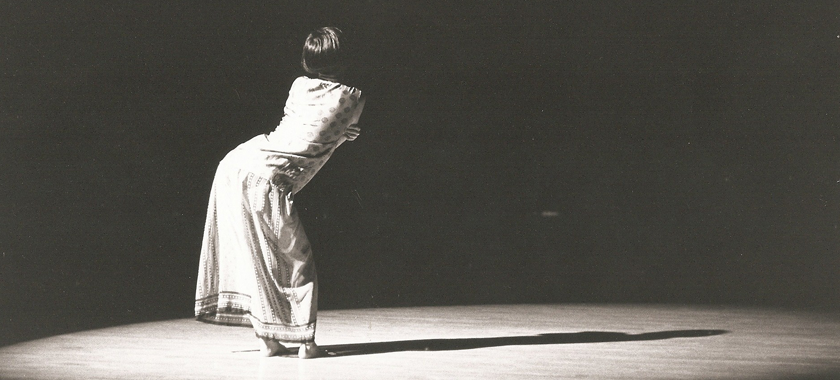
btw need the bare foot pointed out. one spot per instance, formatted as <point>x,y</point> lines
<point>270,347</point>
<point>311,350</point>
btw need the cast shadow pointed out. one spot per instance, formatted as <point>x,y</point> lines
<point>472,343</point>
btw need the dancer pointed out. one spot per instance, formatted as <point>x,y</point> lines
<point>256,267</point>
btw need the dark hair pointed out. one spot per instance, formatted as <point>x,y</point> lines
<point>323,53</point>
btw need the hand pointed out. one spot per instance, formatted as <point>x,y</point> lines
<point>352,132</point>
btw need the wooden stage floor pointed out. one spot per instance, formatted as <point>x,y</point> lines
<point>462,342</point>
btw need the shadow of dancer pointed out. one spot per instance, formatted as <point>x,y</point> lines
<point>473,343</point>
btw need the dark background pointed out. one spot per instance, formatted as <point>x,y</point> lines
<point>512,152</point>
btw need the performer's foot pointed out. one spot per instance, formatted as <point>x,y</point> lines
<point>311,350</point>
<point>269,347</point>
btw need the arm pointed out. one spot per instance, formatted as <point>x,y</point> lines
<point>353,130</point>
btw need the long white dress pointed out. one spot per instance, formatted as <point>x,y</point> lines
<point>256,267</point>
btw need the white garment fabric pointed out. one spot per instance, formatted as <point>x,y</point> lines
<point>257,267</point>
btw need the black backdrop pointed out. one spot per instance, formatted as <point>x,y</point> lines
<point>679,152</point>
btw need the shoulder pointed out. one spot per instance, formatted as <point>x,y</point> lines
<point>333,86</point>
<point>342,93</point>
<point>341,88</point>
<point>306,83</point>
<point>321,88</point>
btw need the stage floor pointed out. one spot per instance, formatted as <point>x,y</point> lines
<point>462,342</point>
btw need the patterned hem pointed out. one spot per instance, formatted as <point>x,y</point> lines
<point>224,319</point>
<point>232,311</point>
<point>283,333</point>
